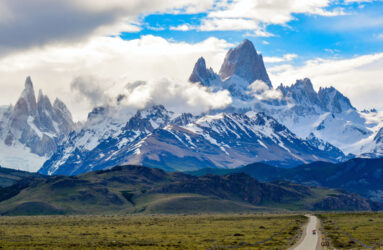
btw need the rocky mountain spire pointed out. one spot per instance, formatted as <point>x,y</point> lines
<point>36,124</point>
<point>201,73</point>
<point>334,101</point>
<point>244,62</point>
<point>26,105</point>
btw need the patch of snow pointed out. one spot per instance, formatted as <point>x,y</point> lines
<point>33,126</point>
<point>19,157</point>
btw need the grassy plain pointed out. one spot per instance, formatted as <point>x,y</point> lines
<point>245,231</point>
<point>354,230</point>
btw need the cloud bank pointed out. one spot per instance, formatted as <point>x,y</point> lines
<point>80,73</point>
<point>27,24</point>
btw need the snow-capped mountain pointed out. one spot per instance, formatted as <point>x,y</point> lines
<point>326,113</point>
<point>31,130</point>
<point>159,138</point>
<point>285,126</point>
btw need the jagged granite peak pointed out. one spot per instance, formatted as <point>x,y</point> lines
<point>302,92</point>
<point>201,73</point>
<point>31,129</point>
<point>244,62</point>
<point>26,105</point>
<point>28,83</point>
<point>60,108</point>
<point>334,101</point>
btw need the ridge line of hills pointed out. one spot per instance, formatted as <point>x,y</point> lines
<point>138,189</point>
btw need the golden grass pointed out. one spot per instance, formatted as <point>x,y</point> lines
<point>150,231</point>
<point>344,228</point>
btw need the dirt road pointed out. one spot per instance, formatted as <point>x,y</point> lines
<point>309,240</point>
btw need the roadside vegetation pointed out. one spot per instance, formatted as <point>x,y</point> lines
<point>359,230</point>
<point>151,231</point>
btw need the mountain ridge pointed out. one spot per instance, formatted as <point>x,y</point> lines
<point>153,137</point>
<point>138,189</point>
<point>358,175</point>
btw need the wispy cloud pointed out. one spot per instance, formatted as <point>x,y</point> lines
<point>183,27</point>
<point>256,14</point>
<point>284,58</point>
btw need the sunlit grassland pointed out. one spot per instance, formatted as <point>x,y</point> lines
<point>151,231</point>
<point>346,229</point>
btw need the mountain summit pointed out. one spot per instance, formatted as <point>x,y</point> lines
<point>244,62</point>
<point>202,74</point>
<point>31,130</point>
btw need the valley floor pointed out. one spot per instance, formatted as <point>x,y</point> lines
<point>361,230</point>
<point>246,231</point>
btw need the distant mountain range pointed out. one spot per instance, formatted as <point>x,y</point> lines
<point>284,126</point>
<point>361,176</point>
<point>156,137</point>
<point>137,189</point>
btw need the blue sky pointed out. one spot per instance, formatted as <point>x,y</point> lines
<point>357,31</point>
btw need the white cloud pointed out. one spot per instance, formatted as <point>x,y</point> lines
<point>134,6</point>
<point>26,24</point>
<point>110,62</point>
<point>261,32</point>
<point>361,1</point>
<point>284,58</point>
<point>358,78</point>
<point>183,27</point>
<point>261,91</point>
<point>179,96</point>
<point>250,14</point>
<point>211,24</point>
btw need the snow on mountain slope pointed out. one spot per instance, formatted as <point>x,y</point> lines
<point>326,113</point>
<point>31,130</point>
<point>157,137</point>
<point>20,157</point>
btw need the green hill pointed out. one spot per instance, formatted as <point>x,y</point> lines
<point>136,189</point>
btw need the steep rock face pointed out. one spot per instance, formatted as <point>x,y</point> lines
<point>202,74</point>
<point>303,95</point>
<point>156,137</point>
<point>33,126</point>
<point>244,62</point>
<point>333,101</point>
